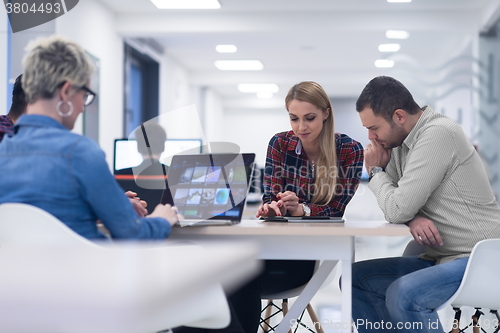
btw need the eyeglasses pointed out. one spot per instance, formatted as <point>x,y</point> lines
<point>89,96</point>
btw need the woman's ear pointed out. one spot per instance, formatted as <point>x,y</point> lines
<point>326,114</point>
<point>64,92</point>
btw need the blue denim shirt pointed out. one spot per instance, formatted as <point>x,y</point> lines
<point>45,165</point>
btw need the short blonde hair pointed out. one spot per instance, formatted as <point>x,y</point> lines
<point>50,62</point>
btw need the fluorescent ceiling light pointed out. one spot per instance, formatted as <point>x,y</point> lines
<point>389,47</point>
<point>397,34</point>
<point>258,87</point>
<point>264,94</point>
<point>398,0</point>
<point>239,65</point>
<point>226,48</point>
<point>187,4</point>
<point>384,63</point>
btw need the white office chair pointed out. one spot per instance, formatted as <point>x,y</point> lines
<point>265,321</point>
<point>479,287</point>
<point>54,280</point>
<point>30,225</point>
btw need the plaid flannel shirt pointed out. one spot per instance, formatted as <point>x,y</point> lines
<point>6,126</point>
<point>289,169</point>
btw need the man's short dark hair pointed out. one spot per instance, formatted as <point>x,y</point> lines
<point>384,95</point>
<point>18,107</point>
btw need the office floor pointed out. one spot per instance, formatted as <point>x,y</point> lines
<point>326,303</point>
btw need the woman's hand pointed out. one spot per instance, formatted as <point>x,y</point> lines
<point>167,212</point>
<point>291,203</point>
<point>138,204</point>
<point>274,208</point>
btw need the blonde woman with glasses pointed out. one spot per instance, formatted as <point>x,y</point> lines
<point>45,165</point>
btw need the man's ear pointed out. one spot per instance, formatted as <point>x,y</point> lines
<point>399,116</point>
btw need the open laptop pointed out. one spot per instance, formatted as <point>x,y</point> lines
<point>209,189</point>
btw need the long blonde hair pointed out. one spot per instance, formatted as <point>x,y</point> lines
<point>326,163</point>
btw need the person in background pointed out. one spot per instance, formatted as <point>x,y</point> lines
<point>46,165</point>
<point>424,172</point>
<point>17,108</point>
<point>148,180</point>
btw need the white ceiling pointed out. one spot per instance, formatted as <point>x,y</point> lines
<point>333,42</point>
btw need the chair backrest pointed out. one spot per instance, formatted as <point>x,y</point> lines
<point>480,286</point>
<point>297,291</point>
<point>25,224</point>
<point>83,280</point>
<point>413,249</point>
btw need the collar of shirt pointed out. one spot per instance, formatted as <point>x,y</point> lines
<point>298,148</point>
<point>293,142</point>
<point>6,121</point>
<point>36,120</point>
<point>411,138</point>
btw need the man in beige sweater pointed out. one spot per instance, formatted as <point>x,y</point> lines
<point>424,172</point>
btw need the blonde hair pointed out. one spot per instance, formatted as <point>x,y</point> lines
<point>326,176</point>
<point>49,63</point>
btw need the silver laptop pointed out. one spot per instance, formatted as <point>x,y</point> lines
<point>210,189</point>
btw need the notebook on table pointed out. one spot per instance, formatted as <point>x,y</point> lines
<point>209,189</point>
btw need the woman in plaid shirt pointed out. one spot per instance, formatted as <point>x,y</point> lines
<point>310,170</point>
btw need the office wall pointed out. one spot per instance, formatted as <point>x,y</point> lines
<point>91,24</point>
<point>3,62</point>
<point>488,109</point>
<point>213,115</point>
<point>252,129</point>
<point>180,109</point>
<point>347,119</point>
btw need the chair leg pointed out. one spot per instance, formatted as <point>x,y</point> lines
<point>314,318</point>
<point>495,312</point>
<point>476,327</point>
<point>266,321</point>
<point>266,327</point>
<point>456,322</point>
<point>284,308</point>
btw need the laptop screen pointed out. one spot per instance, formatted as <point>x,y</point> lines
<point>126,155</point>
<point>210,186</point>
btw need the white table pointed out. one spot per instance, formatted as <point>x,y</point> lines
<point>331,242</point>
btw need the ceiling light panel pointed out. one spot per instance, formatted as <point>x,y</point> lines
<point>384,63</point>
<point>186,4</point>
<point>226,48</point>
<point>398,0</point>
<point>258,87</point>
<point>389,47</point>
<point>239,65</point>
<point>397,34</point>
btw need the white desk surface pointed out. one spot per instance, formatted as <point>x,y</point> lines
<point>331,242</point>
<point>258,227</point>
